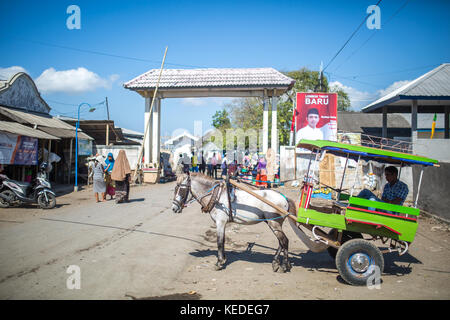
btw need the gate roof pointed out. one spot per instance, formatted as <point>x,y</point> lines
<point>181,83</point>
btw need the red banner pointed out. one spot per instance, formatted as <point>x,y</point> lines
<point>316,116</point>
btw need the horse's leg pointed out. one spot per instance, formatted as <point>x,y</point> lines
<point>283,241</point>
<point>275,261</point>
<point>220,229</point>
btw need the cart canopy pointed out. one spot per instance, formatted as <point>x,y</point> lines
<point>366,153</point>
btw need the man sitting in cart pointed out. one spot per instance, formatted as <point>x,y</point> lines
<point>394,191</point>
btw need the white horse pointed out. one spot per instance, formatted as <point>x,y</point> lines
<point>245,209</point>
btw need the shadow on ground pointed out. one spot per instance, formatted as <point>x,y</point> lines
<point>319,262</point>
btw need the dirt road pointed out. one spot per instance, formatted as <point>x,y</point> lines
<point>143,250</point>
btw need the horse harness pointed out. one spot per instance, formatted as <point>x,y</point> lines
<point>215,192</point>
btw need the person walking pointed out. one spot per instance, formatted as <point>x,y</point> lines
<point>209,167</point>
<point>224,166</point>
<point>109,183</point>
<point>214,165</point>
<point>121,174</point>
<point>194,163</point>
<point>202,165</point>
<point>97,175</point>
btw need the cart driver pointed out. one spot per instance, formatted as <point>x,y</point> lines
<point>394,191</point>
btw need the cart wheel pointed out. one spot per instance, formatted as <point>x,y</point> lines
<point>354,260</point>
<point>346,236</point>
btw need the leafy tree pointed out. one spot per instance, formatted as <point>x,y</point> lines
<point>221,120</point>
<point>247,113</point>
<point>343,99</point>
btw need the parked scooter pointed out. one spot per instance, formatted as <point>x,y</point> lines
<point>39,190</point>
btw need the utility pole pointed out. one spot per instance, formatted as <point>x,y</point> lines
<point>107,125</point>
<point>321,76</point>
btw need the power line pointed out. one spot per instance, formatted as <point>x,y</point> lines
<point>393,72</point>
<point>103,53</point>
<point>72,104</point>
<point>348,40</point>
<point>350,79</point>
<point>373,34</point>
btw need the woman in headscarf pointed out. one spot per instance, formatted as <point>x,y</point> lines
<point>98,178</point>
<point>121,174</point>
<point>109,167</point>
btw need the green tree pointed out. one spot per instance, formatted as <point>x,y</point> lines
<point>247,113</point>
<point>343,99</point>
<point>221,120</point>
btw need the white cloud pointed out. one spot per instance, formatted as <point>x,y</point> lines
<point>392,87</point>
<point>72,81</point>
<point>196,102</point>
<point>7,73</point>
<point>360,99</point>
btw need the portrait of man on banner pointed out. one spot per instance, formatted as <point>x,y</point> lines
<point>316,116</point>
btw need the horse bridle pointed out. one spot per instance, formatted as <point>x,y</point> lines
<point>185,187</point>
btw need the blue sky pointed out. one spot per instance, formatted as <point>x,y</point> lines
<point>285,35</point>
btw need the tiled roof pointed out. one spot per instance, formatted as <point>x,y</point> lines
<point>210,78</point>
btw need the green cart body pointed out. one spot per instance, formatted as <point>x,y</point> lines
<point>358,216</point>
<point>368,217</point>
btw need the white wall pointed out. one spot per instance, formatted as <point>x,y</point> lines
<point>438,149</point>
<point>132,153</point>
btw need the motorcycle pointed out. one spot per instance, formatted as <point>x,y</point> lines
<point>14,192</point>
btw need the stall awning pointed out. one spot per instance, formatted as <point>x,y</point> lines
<point>43,122</point>
<point>19,129</point>
<point>65,133</point>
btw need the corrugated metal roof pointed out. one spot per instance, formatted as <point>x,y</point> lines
<point>432,85</point>
<point>210,78</point>
<point>39,120</point>
<point>43,122</point>
<point>65,133</point>
<point>17,128</point>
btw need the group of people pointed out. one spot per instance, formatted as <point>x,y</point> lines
<point>111,177</point>
<point>251,164</point>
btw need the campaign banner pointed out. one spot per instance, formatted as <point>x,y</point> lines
<point>316,116</point>
<point>15,149</point>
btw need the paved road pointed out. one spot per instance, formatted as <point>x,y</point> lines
<point>134,249</point>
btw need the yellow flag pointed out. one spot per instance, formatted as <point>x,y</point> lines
<point>433,126</point>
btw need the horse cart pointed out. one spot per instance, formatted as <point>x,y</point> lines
<point>354,223</point>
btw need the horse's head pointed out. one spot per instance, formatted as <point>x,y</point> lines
<point>182,191</point>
